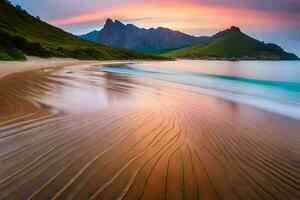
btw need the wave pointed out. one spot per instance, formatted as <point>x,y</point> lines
<point>276,96</point>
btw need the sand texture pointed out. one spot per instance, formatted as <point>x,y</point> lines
<point>80,133</point>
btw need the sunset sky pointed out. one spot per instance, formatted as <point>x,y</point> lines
<point>269,20</point>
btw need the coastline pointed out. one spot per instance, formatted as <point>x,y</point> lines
<point>35,63</point>
<point>103,135</point>
<point>233,59</point>
<point>32,63</point>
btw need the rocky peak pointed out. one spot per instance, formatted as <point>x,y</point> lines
<point>109,21</point>
<point>235,28</point>
<point>110,24</point>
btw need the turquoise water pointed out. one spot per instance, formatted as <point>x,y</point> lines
<point>269,85</point>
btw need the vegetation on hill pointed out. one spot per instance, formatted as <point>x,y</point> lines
<point>235,45</point>
<point>21,33</point>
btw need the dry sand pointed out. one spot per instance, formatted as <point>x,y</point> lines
<point>81,133</point>
<point>32,63</point>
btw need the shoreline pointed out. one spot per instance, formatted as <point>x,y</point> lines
<point>32,63</point>
<point>233,59</point>
<point>94,129</point>
<point>35,63</point>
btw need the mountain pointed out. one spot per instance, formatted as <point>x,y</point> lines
<point>157,41</point>
<point>232,44</point>
<point>21,33</point>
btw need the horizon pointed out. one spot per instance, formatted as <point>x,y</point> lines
<point>277,22</point>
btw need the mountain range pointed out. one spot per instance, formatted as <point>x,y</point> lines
<point>230,44</point>
<point>22,34</point>
<point>129,36</point>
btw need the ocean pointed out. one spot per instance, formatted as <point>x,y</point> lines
<point>273,86</point>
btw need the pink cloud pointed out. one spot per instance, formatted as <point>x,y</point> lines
<point>184,15</point>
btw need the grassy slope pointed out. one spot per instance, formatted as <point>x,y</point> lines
<point>232,44</point>
<point>54,41</point>
<point>157,51</point>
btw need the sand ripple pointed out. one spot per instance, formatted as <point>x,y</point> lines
<point>80,133</point>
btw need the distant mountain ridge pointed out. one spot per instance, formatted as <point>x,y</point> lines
<point>91,36</point>
<point>129,36</point>
<point>232,44</point>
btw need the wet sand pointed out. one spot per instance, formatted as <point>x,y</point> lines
<point>80,133</point>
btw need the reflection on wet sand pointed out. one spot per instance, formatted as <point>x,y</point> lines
<point>81,133</point>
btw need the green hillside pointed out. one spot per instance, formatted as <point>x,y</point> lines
<point>20,34</point>
<point>235,45</point>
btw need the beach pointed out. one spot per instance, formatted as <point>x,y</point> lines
<point>80,130</point>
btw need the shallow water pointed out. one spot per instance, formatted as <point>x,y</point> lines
<point>268,85</point>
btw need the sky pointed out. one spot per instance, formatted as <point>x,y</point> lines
<point>276,21</point>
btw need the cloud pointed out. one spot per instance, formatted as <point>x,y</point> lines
<point>269,5</point>
<point>186,15</point>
